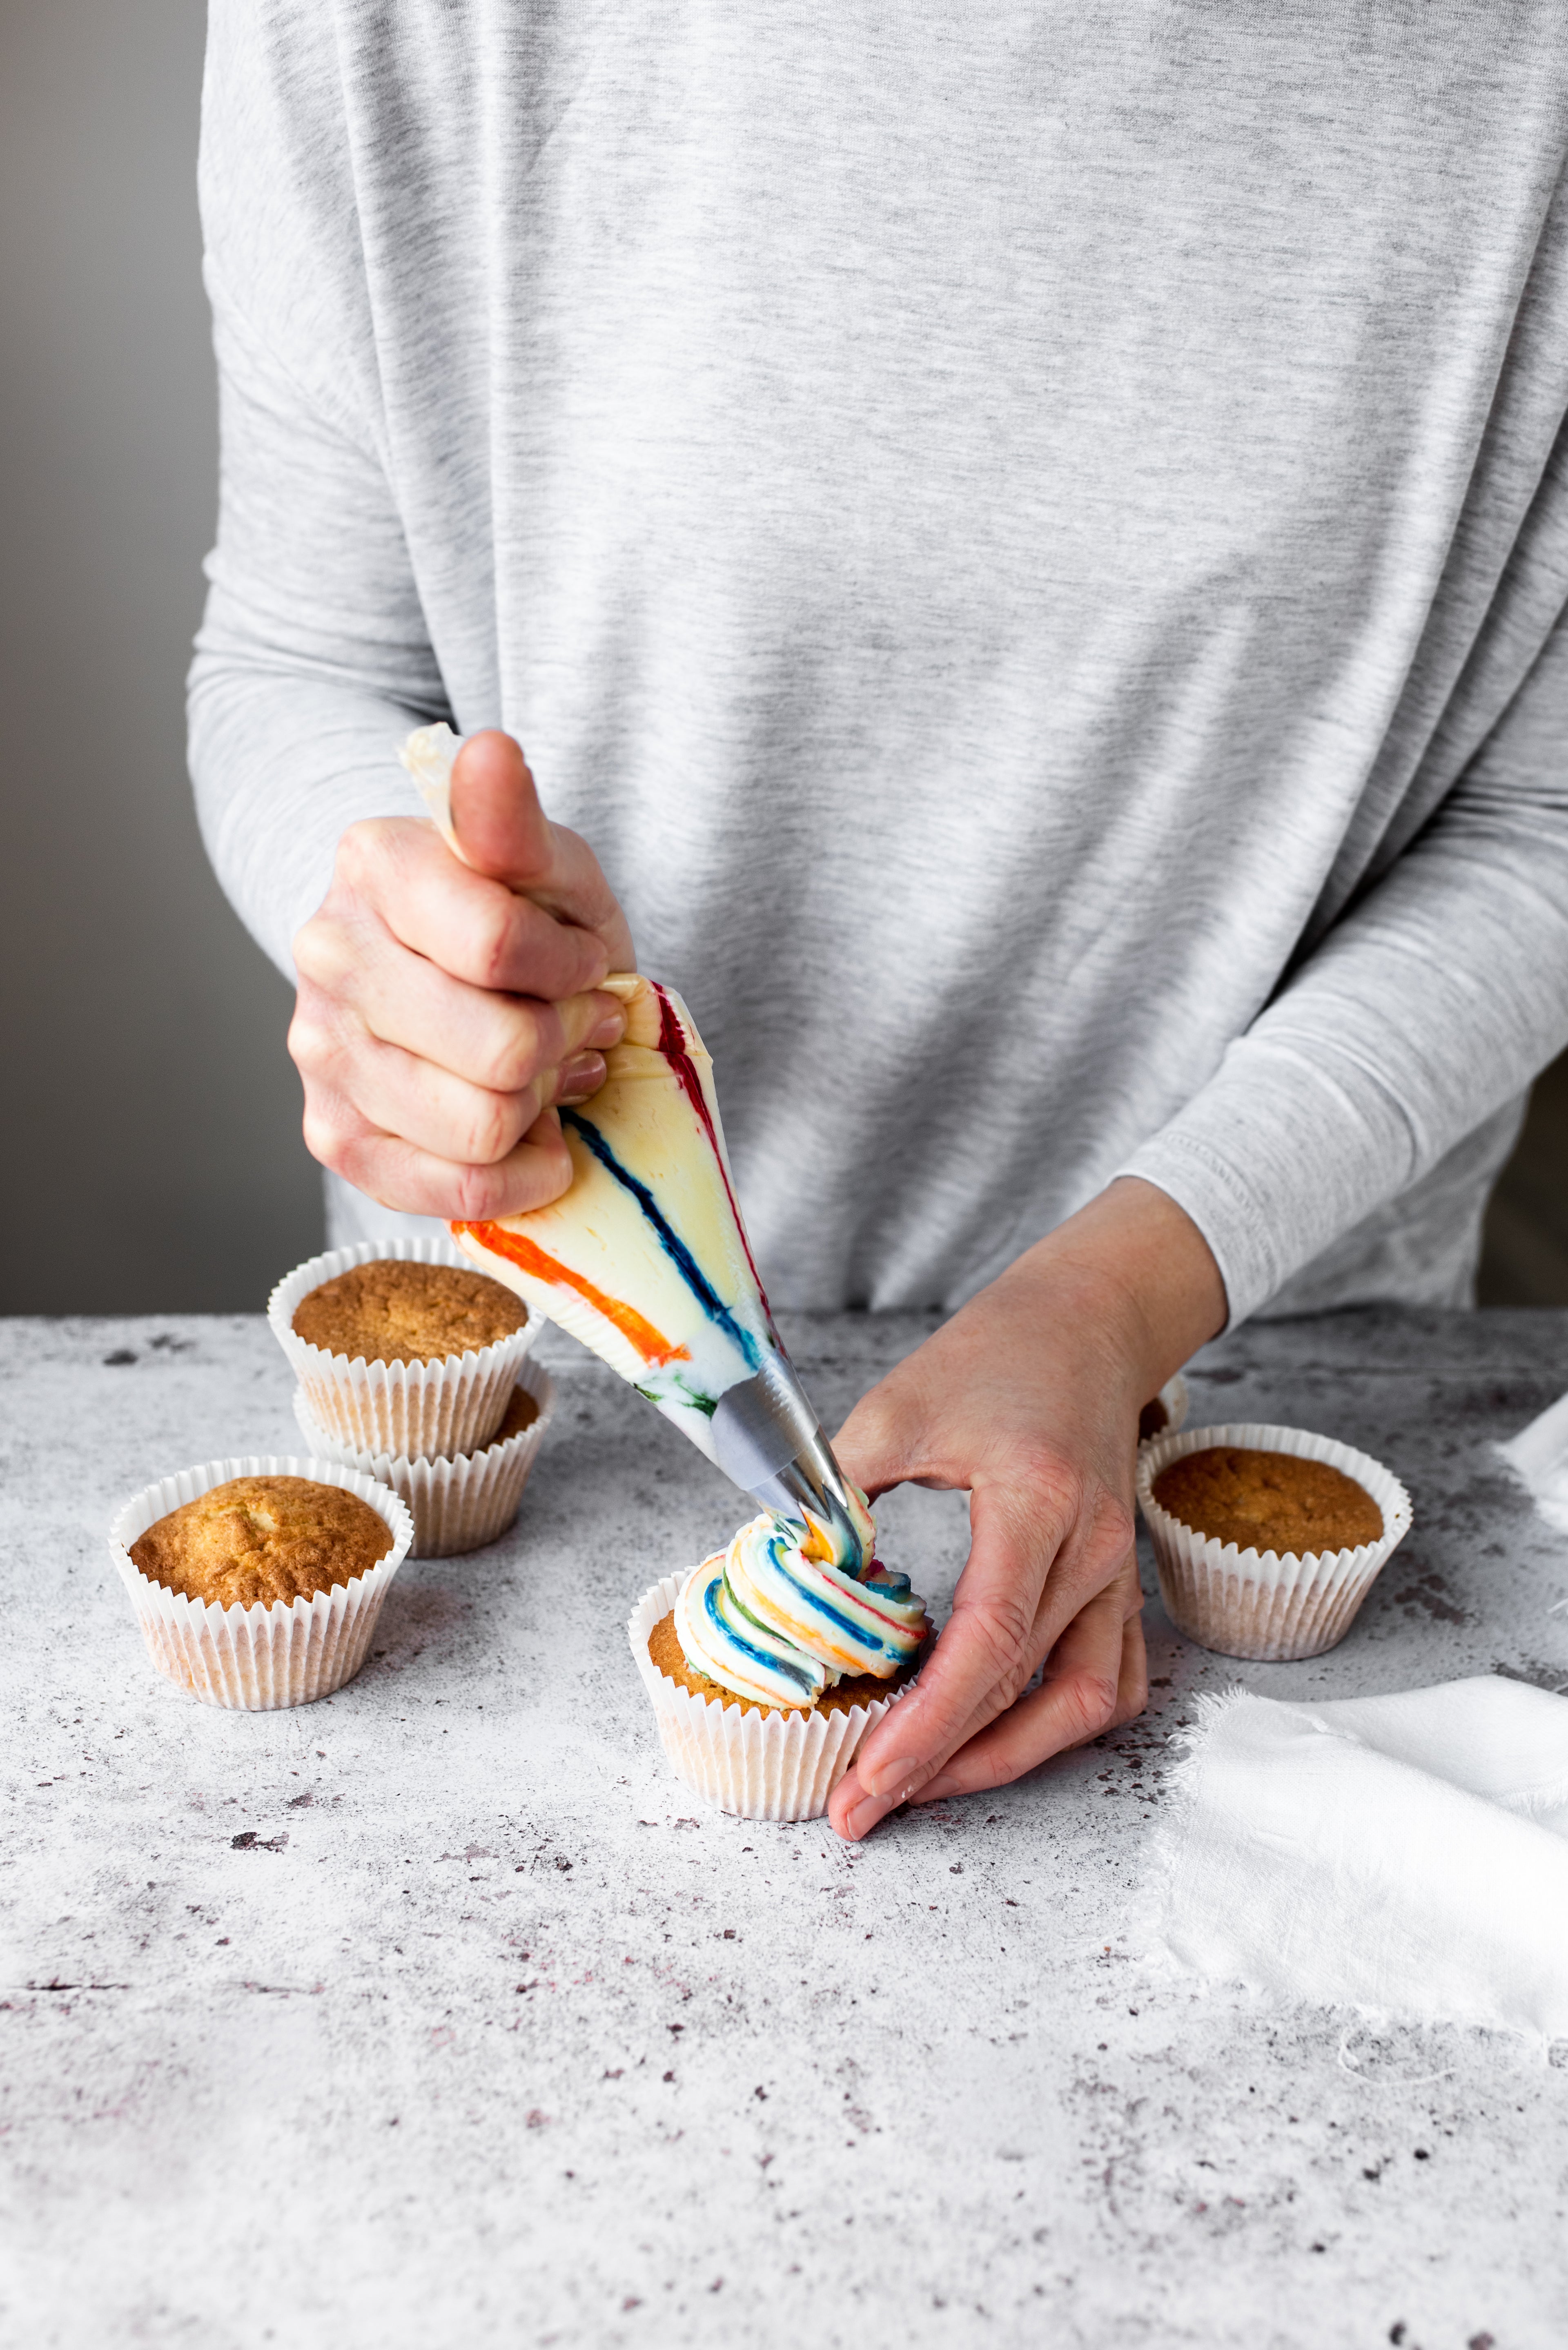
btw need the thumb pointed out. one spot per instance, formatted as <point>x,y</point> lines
<point>880,1444</point>
<point>501,827</point>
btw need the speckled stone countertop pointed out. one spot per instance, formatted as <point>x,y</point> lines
<point>438,2013</point>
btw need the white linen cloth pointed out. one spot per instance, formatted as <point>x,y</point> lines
<point>1407,1854</point>
<point>1540,1454</point>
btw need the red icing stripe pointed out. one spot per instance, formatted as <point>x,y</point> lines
<point>891,1622</point>
<point>672,1045</point>
<point>650,1344</point>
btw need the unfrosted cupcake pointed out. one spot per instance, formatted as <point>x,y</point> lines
<point>461,1503</point>
<point>768,1664</point>
<point>401,1347</point>
<point>258,1582</point>
<point>263,1538</point>
<point>1163,1414</point>
<point>1267,1539</point>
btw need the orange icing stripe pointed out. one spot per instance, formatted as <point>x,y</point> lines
<point>650,1344</point>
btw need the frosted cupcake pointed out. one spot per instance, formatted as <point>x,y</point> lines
<point>401,1347</point>
<point>1267,1539</point>
<point>768,1664</point>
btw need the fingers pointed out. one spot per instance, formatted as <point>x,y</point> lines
<point>1040,1549</point>
<point>505,835</point>
<point>500,1042</point>
<point>398,878</point>
<point>445,1006</point>
<point>1096,1678</point>
<point>419,1137</point>
<point>1029,1397</point>
<point>536,1170</point>
<point>495,812</point>
<point>438,1017</point>
<point>1132,1680</point>
<point>580,1080</point>
<point>394,1092</point>
<point>884,1441</point>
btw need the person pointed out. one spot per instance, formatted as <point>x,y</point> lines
<point>1027,549</point>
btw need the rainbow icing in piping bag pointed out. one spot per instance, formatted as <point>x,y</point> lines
<point>645,1257</point>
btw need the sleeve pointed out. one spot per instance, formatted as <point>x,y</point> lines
<point>313,660</point>
<point>1431,1003</point>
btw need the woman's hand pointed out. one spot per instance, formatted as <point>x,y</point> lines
<point>1029,1398</point>
<point>444,1008</point>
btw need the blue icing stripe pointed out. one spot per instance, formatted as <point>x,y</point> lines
<point>848,1541</point>
<point>846,1624</point>
<point>763,1657</point>
<point>669,1240</point>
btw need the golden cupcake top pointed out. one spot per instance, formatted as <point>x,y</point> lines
<point>1267,1500</point>
<point>394,1311</point>
<point>263,1539</point>
<point>521,1412</point>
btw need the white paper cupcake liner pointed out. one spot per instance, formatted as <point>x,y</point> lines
<point>1173,1397</point>
<point>760,1766</point>
<point>258,1657</point>
<point>1272,1608</point>
<point>421,1412</point>
<point>458,1506</point>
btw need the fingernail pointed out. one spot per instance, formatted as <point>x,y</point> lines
<point>582,1077</point>
<point>609,1030</point>
<point>888,1777</point>
<point>863,1816</point>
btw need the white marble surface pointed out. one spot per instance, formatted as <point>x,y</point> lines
<point>438,2014</point>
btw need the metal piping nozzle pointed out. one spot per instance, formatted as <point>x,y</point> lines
<point>769,1442</point>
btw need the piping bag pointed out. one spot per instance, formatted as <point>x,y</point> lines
<point>645,1257</point>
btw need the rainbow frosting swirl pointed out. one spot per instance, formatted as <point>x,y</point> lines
<point>774,1619</point>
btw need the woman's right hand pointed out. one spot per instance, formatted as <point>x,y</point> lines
<point>445,1007</point>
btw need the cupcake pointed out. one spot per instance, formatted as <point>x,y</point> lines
<point>1267,1539</point>
<point>769,1663</point>
<point>258,1582</point>
<point>458,1505</point>
<point>1166,1412</point>
<point>401,1346</point>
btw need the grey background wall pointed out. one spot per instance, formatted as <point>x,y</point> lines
<point>151,1119</point>
<point>150,1114</point>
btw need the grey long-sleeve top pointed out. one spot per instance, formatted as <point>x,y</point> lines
<point>1032,539</point>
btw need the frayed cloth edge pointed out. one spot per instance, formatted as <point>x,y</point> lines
<point>1146,1935</point>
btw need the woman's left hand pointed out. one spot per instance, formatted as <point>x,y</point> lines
<point>1028,1399</point>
